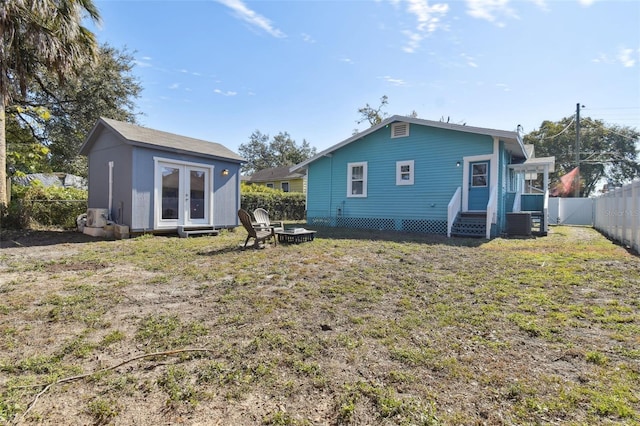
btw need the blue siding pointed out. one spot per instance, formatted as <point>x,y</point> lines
<point>435,153</point>
<point>532,202</point>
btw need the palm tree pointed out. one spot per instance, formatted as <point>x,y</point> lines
<point>38,35</point>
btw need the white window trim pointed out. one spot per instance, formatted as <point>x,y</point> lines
<point>269,185</point>
<point>350,167</point>
<point>399,180</point>
<point>486,175</point>
<point>401,135</point>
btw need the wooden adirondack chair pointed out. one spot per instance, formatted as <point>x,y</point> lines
<point>262,219</point>
<point>258,234</point>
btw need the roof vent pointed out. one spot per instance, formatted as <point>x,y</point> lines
<point>399,130</point>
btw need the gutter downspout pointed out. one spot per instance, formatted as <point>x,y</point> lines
<point>110,189</point>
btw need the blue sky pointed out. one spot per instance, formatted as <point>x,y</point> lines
<point>219,70</point>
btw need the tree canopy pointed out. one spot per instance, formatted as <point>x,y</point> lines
<point>261,153</point>
<point>38,36</point>
<point>373,115</point>
<point>607,151</point>
<point>107,89</point>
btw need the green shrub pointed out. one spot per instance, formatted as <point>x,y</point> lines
<point>280,205</point>
<point>37,205</point>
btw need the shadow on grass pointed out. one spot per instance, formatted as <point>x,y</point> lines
<point>10,238</point>
<point>395,236</point>
<point>225,250</point>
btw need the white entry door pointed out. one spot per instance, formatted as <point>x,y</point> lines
<point>184,194</point>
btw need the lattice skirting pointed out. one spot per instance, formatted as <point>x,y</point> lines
<point>408,225</point>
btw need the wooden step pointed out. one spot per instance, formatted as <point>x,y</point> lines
<point>186,232</point>
<point>470,224</point>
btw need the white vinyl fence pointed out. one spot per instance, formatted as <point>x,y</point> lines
<point>617,215</point>
<point>571,211</point>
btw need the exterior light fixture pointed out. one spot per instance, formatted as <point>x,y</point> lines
<point>225,172</point>
<point>457,164</point>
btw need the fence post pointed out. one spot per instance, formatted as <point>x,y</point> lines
<point>617,215</point>
<point>635,216</point>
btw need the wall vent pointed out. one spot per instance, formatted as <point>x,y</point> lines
<point>399,130</point>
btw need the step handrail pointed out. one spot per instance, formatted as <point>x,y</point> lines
<point>453,208</point>
<point>492,207</point>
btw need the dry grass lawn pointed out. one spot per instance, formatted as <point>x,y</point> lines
<point>354,328</point>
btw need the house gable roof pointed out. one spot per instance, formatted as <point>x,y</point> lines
<point>513,141</point>
<point>142,136</point>
<point>273,174</point>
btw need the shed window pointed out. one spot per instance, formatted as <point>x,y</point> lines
<point>284,186</point>
<point>269,185</point>
<point>404,172</point>
<point>399,130</point>
<point>357,179</point>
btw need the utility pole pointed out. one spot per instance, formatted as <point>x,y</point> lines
<point>576,188</point>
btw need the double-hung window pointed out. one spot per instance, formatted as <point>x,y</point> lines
<point>357,179</point>
<point>404,172</point>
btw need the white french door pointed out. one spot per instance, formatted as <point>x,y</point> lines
<point>183,194</point>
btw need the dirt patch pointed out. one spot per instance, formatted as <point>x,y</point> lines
<point>355,327</point>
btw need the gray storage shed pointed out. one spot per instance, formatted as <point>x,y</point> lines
<point>154,181</point>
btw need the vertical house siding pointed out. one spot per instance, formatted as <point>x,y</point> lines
<point>421,206</point>
<point>109,148</point>
<point>226,196</point>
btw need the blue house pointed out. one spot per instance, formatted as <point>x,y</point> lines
<point>154,181</point>
<point>415,175</point>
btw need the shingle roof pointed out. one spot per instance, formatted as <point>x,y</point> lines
<point>512,140</point>
<point>143,136</point>
<point>274,173</point>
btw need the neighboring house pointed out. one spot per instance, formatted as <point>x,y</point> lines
<point>151,180</point>
<point>417,175</point>
<point>280,178</point>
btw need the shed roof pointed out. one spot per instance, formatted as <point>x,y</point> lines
<point>142,136</point>
<point>513,141</point>
<point>274,173</point>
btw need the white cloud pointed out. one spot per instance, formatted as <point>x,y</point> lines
<point>490,10</point>
<point>586,3</point>
<point>394,81</point>
<point>347,60</point>
<point>144,62</point>
<point>174,86</point>
<point>470,60</point>
<point>252,18</point>
<point>602,58</point>
<point>429,20</point>
<point>307,38</point>
<point>542,4</point>
<point>627,57</point>
<point>227,93</point>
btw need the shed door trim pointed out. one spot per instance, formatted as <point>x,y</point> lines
<point>185,200</point>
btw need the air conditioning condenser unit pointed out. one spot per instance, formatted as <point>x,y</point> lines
<point>97,218</point>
